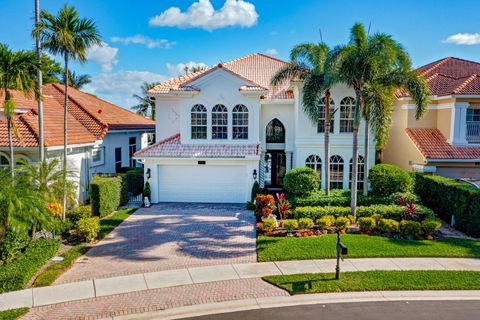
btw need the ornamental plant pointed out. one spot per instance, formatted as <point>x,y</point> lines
<point>301,181</point>
<point>366,224</point>
<point>388,226</point>
<point>430,226</point>
<point>305,223</point>
<point>269,225</point>
<point>88,228</point>
<point>55,209</point>
<point>283,206</point>
<point>290,224</point>
<point>342,223</point>
<point>326,222</point>
<point>265,204</point>
<point>410,229</point>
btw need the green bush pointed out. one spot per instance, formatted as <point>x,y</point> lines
<point>106,194</point>
<point>430,226</point>
<point>337,198</point>
<point>290,224</point>
<point>366,224</point>
<point>315,213</point>
<point>305,223</point>
<point>326,222</point>
<point>269,225</point>
<point>88,228</point>
<point>342,223</point>
<point>15,275</point>
<point>402,198</point>
<point>410,229</point>
<point>13,242</point>
<point>301,181</point>
<point>388,226</point>
<point>135,181</point>
<point>146,191</point>
<point>80,212</point>
<point>386,179</point>
<point>449,197</point>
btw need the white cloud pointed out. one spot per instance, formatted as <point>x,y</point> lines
<point>104,55</point>
<point>144,40</point>
<point>119,87</point>
<point>272,52</point>
<point>464,39</point>
<point>202,14</point>
<point>178,69</point>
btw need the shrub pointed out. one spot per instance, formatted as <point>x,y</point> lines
<point>388,226</point>
<point>12,244</point>
<point>387,179</point>
<point>88,228</point>
<point>80,212</point>
<point>15,275</point>
<point>342,223</point>
<point>290,224</point>
<point>62,226</point>
<point>337,198</point>
<point>135,181</point>
<point>326,222</point>
<point>269,225</point>
<point>305,223</point>
<point>315,213</point>
<point>105,194</point>
<point>449,197</point>
<point>410,229</point>
<point>403,198</point>
<point>301,181</point>
<point>55,209</point>
<point>255,190</point>
<point>265,204</point>
<point>366,224</point>
<point>430,226</point>
<point>146,191</point>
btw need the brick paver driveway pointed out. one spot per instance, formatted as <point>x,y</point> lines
<point>171,236</point>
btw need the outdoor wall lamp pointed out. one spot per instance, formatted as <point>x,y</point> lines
<point>149,174</point>
<point>254,174</point>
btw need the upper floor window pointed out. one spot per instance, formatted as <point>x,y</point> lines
<point>336,172</point>
<point>322,116</point>
<point>199,122</point>
<point>4,162</point>
<point>360,172</point>
<point>132,148</point>
<point>275,132</point>
<point>314,162</point>
<point>347,114</point>
<point>219,122</point>
<point>240,122</point>
<point>473,115</point>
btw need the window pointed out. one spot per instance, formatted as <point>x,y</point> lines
<point>473,115</point>
<point>322,116</point>
<point>240,122</point>
<point>315,162</point>
<point>275,132</point>
<point>118,159</point>
<point>360,172</point>
<point>336,172</point>
<point>4,162</point>
<point>219,122</point>
<point>132,148</point>
<point>199,122</point>
<point>347,114</point>
<point>97,157</point>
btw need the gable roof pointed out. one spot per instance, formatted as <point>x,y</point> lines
<point>89,118</point>
<point>256,69</point>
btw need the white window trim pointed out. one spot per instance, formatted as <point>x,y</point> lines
<point>101,162</point>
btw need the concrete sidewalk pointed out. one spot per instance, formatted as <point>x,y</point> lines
<point>197,275</point>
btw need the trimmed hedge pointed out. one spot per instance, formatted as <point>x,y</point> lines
<point>337,198</point>
<point>106,194</point>
<point>301,181</point>
<point>15,275</point>
<point>135,181</point>
<point>449,197</point>
<point>386,179</point>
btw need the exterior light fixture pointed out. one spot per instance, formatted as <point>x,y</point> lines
<point>149,174</point>
<point>254,174</point>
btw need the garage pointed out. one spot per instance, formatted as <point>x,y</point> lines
<point>202,183</point>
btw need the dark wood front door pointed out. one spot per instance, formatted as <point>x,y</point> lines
<point>275,168</point>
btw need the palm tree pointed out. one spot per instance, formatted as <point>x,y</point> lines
<point>69,36</point>
<point>308,63</point>
<point>78,81</point>
<point>374,66</point>
<point>15,74</point>
<point>144,102</point>
<point>38,52</point>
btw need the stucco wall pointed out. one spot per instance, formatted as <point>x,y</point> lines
<point>444,122</point>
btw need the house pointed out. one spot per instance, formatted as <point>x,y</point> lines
<point>102,137</point>
<point>446,141</point>
<point>220,129</point>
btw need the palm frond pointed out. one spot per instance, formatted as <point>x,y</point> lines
<point>289,72</point>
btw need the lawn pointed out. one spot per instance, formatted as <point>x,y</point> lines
<point>362,246</point>
<point>12,314</point>
<point>378,280</point>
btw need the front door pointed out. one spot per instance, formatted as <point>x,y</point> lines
<point>275,168</point>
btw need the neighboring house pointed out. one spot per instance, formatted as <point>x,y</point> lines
<point>220,129</point>
<point>102,137</point>
<point>446,141</point>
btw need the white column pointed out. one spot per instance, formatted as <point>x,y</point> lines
<point>458,130</point>
<point>288,155</point>
<point>261,170</point>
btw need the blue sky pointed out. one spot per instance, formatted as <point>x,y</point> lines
<point>139,47</point>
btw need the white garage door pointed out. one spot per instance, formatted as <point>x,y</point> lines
<point>202,183</point>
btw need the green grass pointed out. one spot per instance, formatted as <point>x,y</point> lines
<point>12,314</point>
<point>52,272</point>
<point>362,246</point>
<point>377,281</point>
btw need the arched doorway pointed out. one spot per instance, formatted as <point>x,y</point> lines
<point>275,159</point>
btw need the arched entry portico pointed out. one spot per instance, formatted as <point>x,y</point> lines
<point>275,159</point>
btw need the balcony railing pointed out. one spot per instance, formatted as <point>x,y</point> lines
<point>473,131</point>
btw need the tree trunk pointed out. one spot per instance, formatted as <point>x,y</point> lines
<point>328,116</point>
<point>356,125</point>
<point>41,142</point>
<point>65,138</point>
<point>366,157</point>
<point>10,146</point>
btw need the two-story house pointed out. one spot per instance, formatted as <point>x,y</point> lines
<point>220,129</point>
<point>446,141</point>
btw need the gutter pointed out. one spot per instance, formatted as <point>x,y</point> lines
<point>452,160</point>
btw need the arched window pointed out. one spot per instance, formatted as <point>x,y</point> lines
<point>322,116</point>
<point>240,122</point>
<point>21,159</point>
<point>347,114</point>
<point>219,122</point>
<point>4,162</point>
<point>199,122</point>
<point>336,172</point>
<point>315,162</point>
<point>275,132</point>
<point>360,172</point>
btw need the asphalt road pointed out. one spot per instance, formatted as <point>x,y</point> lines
<point>413,310</point>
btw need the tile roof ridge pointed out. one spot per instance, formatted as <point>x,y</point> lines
<point>156,144</point>
<point>433,65</point>
<point>465,83</point>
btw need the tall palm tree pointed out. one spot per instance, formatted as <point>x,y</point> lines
<point>144,102</point>
<point>308,63</point>
<point>374,66</point>
<point>69,36</point>
<point>15,74</point>
<point>78,81</point>
<point>38,51</point>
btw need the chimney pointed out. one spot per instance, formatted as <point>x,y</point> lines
<point>187,70</point>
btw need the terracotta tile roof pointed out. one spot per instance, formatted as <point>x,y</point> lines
<point>173,148</point>
<point>257,69</point>
<point>89,118</point>
<point>432,144</point>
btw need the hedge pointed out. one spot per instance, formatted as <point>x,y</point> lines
<point>135,181</point>
<point>106,194</point>
<point>386,179</point>
<point>449,197</point>
<point>338,198</point>
<point>15,275</point>
<point>301,181</point>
